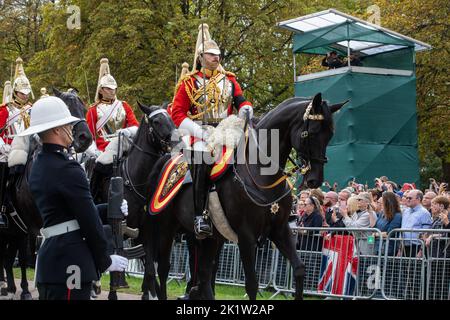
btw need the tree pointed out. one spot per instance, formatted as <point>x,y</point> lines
<point>427,21</point>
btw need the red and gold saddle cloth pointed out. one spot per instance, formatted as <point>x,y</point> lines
<point>173,176</point>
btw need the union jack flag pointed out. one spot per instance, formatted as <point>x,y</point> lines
<point>339,266</point>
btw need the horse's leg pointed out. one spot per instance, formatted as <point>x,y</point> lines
<point>3,286</point>
<point>207,253</point>
<point>216,267</point>
<point>164,263</point>
<point>285,242</point>
<point>23,263</point>
<point>112,295</point>
<point>149,283</point>
<point>11,252</point>
<point>247,247</point>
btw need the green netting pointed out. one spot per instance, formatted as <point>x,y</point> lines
<point>376,133</point>
<point>316,41</point>
<point>399,59</point>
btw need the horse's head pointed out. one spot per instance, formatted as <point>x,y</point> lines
<point>310,137</point>
<point>159,127</point>
<point>81,134</point>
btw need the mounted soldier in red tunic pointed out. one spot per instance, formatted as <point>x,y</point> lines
<point>14,119</point>
<point>205,96</point>
<point>108,116</point>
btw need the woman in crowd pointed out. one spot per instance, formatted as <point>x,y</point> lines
<point>308,239</point>
<point>364,217</point>
<point>436,246</point>
<point>390,218</point>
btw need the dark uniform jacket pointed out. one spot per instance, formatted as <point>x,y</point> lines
<point>61,192</point>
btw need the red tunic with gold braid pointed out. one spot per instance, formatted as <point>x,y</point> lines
<point>7,133</point>
<point>183,104</point>
<point>92,118</point>
<point>4,114</point>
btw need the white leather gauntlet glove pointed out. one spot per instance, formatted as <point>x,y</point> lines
<point>243,112</point>
<point>193,129</point>
<point>124,207</point>
<point>118,263</point>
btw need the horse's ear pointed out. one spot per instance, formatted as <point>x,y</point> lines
<point>165,104</point>
<point>144,108</point>
<point>56,92</point>
<point>336,107</point>
<point>317,103</point>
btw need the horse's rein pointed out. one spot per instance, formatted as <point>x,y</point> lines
<point>285,175</point>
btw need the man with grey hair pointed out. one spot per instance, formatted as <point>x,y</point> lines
<point>415,216</point>
<point>344,195</point>
<point>427,198</point>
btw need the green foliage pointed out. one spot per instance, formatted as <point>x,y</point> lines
<point>147,41</point>
<point>428,21</point>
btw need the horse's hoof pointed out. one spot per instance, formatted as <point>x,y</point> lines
<point>194,294</point>
<point>4,292</point>
<point>26,296</point>
<point>112,296</point>
<point>97,286</point>
<point>183,297</point>
<point>148,296</point>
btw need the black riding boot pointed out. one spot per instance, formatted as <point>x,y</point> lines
<point>4,176</point>
<point>200,177</point>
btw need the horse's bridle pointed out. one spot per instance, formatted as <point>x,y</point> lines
<point>158,139</point>
<point>305,157</point>
<point>154,134</point>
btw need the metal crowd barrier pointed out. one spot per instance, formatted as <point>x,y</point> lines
<point>341,263</point>
<point>417,269</point>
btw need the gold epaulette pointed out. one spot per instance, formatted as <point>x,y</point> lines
<point>228,73</point>
<point>187,76</point>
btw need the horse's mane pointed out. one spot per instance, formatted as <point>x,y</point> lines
<point>285,104</point>
<point>300,102</point>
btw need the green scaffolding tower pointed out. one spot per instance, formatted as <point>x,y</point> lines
<point>376,133</point>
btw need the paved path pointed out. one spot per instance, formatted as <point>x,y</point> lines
<point>35,294</point>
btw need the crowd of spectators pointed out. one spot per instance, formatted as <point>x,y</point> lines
<point>386,206</point>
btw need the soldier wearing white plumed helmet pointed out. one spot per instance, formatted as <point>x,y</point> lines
<point>14,119</point>
<point>207,95</point>
<point>108,115</point>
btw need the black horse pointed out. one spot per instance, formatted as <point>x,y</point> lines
<point>153,139</point>
<point>306,126</point>
<point>24,227</point>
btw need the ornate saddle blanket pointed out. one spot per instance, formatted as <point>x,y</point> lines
<point>175,173</point>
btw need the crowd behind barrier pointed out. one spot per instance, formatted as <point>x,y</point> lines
<point>337,268</point>
<point>389,242</point>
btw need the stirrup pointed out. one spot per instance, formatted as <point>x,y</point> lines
<point>202,229</point>
<point>3,221</point>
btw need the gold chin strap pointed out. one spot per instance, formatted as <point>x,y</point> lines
<point>107,101</point>
<point>18,101</point>
<point>210,73</point>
